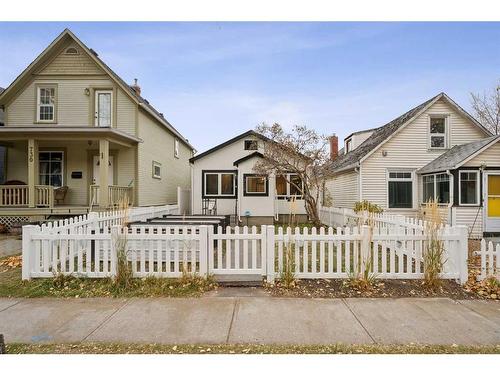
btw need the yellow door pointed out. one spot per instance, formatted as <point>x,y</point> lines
<point>494,196</point>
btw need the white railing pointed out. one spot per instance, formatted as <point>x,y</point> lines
<point>490,260</point>
<point>13,195</point>
<point>346,217</point>
<point>44,196</point>
<point>116,194</point>
<point>166,251</point>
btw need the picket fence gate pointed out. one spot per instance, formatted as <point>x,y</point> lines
<point>170,251</point>
<point>490,260</point>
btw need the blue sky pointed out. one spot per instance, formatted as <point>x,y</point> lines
<point>215,80</point>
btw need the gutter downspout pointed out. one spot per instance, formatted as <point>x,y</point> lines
<point>452,197</point>
<point>360,186</point>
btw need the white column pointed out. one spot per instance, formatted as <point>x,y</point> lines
<point>32,170</point>
<point>103,172</point>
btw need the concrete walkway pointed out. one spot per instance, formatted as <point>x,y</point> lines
<point>251,319</point>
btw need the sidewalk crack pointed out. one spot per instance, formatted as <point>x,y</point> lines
<point>359,321</point>
<point>236,303</point>
<point>107,319</point>
<point>8,307</point>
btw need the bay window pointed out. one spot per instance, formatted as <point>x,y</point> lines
<point>219,184</point>
<point>400,189</point>
<point>469,188</point>
<point>436,187</point>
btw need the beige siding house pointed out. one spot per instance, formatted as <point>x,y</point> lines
<point>388,167</point>
<point>78,137</point>
<point>224,183</point>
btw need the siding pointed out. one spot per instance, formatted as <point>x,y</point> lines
<point>471,217</point>
<point>409,150</point>
<point>158,145</point>
<point>490,157</point>
<point>344,189</point>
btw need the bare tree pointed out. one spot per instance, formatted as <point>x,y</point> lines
<point>487,109</point>
<point>302,152</point>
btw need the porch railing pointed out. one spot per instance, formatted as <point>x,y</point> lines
<point>18,196</point>
<point>116,194</point>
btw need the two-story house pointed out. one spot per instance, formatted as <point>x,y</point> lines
<point>78,136</point>
<point>435,150</point>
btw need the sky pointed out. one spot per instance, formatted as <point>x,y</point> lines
<point>216,80</point>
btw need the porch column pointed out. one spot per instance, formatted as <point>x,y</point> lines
<point>32,170</point>
<point>103,172</point>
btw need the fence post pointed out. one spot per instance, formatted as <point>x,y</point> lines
<point>463,253</point>
<point>270,244</point>
<point>365,246</point>
<point>28,249</point>
<point>205,246</point>
<point>115,237</point>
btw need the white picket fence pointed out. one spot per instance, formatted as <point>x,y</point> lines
<point>490,260</point>
<point>346,217</point>
<point>164,251</point>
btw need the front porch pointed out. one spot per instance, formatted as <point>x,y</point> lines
<point>58,171</point>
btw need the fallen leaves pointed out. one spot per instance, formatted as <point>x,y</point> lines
<point>12,262</point>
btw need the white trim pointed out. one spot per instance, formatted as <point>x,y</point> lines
<point>156,164</point>
<point>434,183</point>
<point>489,225</point>
<point>446,133</point>
<point>478,195</point>
<point>245,183</point>
<point>176,148</point>
<point>38,104</point>
<point>413,190</point>
<point>96,108</point>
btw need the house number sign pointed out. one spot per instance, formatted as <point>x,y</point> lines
<point>31,157</point>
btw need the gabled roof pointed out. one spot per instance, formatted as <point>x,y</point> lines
<point>25,75</point>
<point>384,133</point>
<point>255,154</point>
<point>458,155</point>
<point>232,140</point>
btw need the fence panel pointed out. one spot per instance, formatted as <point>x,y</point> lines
<point>490,260</point>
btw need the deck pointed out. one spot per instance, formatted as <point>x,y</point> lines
<point>44,211</point>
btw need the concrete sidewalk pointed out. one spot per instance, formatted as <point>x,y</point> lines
<point>243,319</point>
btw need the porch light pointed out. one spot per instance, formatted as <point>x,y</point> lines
<point>87,91</point>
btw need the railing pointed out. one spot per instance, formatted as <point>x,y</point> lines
<point>116,195</point>
<point>167,251</point>
<point>14,195</point>
<point>18,196</point>
<point>490,260</point>
<point>44,196</point>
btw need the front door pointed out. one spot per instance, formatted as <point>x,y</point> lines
<point>95,179</point>
<point>492,201</point>
<point>103,108</point>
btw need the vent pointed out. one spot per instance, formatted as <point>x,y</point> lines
<point>71,51</point>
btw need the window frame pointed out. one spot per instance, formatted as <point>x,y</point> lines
<point>219,173</point>
<point>478,188</point>
<point>176,148</point>
<point>156,164</point>
<point>246,193</point>
<point>444,135</point>
<point>348,145</point>
<point>412,180</point>
<point>50,174</point>
<point>39,87</point>
<point>288,186</point>
<point>435,187</point>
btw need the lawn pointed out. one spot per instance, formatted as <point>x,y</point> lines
<point>100,348</point>
<point>11,285</point>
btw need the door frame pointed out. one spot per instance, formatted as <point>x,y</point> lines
<point>485,201</point>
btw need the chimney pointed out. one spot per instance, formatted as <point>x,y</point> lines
<point>136,87</point>
<point>334,146</point>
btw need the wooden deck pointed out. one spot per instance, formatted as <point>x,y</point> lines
<point>44,211</point>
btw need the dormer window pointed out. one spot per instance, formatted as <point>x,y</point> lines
<point>46,101</point>
<point>437,133</point>
<point>251,144</point>
<point>348,145</point>
<point>71,51</point>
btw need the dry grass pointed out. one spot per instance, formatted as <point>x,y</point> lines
<point>434,250</point>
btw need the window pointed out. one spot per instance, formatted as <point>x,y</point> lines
<point>437,187</point>
<point>289,185</point>
<point>400,189</point>
<point>348,145</point>
<point>437,132</point>
<point>469,188</point>
<point>103,108</point>
<point>156,170</point>
<point>251,144</point>
<point>176,148</point>
<point>219,184</point>
<point>51,168</point>
<point>255,185</point>
<point>46,97</point>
